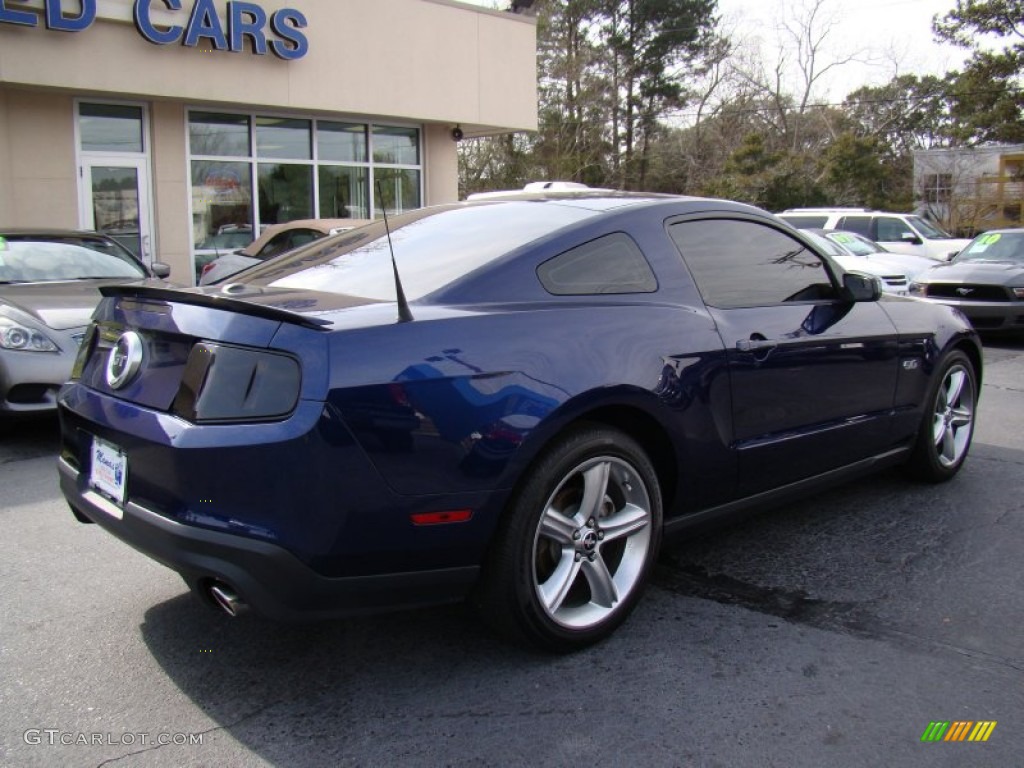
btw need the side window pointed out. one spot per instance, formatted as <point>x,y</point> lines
<point>746,264</point>
<point>859,224</point>
<point>890,229</point>
<point>609,264</point>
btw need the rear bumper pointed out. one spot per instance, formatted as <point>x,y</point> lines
<point>267,577</point>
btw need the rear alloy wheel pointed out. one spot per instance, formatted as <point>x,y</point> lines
<point>577,545</point>
<point>948,425</point>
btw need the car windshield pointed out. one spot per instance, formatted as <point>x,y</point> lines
<point>994,246</point>
<point>830,247</point>
<point>433,247</point>
<point>855,244</point>
<point>928,229</point>
<point>33,261</point>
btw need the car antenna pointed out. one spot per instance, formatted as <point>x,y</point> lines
<point>404,313</point>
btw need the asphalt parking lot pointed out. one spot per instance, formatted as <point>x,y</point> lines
<point>831,632</point>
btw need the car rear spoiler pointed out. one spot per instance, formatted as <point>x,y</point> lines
<point>216,301</point>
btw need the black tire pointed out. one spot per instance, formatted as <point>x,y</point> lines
<point>560,578</point>
<point>947,425</point>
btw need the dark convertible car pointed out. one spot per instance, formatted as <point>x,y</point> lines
<point>509,400</point>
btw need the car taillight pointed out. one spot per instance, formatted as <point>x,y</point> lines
<point>223,383</point>
<point>207,267</point>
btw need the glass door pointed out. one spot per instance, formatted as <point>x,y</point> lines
<point>115,192</point>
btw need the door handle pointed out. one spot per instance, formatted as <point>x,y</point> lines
<point>756,345</point>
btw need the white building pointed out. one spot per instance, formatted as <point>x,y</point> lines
<point>970,190</point>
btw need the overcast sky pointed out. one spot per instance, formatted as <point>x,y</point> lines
<point>880,31</point>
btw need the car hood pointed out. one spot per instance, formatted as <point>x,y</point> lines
<point>57,305</point>
<point>985,272</point>
<point>872,266</point>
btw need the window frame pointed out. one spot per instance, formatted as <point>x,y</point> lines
<point>254,159</point>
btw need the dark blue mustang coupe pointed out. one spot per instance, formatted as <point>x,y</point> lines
<point>510,400</point>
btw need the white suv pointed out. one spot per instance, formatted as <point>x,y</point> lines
<point>896,232</point>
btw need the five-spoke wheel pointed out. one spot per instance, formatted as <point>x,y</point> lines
<point>948,424</point>
<point>577,542</point>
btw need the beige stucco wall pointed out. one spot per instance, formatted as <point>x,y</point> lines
<point>6,187</point>
<point>421,60</point>
<point>171,223</point>
<point>441,166</point>
<point>41,172</point>
<point>432,63</point>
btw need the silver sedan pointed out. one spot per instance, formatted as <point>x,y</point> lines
<point>49,286</point>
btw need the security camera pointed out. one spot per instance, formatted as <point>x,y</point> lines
<point>457,133</point>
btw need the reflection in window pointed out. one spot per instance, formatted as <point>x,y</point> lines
<point>220,135</point>
<point>283,138</point>
<point>110,128</point>
<point>396,145</point>
<point>221,205</point>
<point>286,192</point>
<point>610,264</point>
<point>341,142</point>
<point>343,192</point>
<point>400,188</point>
<point>744,264</point>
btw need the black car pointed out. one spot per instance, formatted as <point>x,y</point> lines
<point>510,400</point>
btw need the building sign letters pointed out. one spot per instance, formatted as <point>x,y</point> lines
<point>278,32</point>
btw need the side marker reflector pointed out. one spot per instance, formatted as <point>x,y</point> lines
<point>441,518</point>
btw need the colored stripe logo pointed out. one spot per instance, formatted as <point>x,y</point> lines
<point>958,730</point>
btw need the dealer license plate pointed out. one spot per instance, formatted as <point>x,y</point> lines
<point>109,469</point>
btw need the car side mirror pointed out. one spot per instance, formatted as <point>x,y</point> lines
<point>859,286</point>
<point>910,237</point>
<point>159,269</point>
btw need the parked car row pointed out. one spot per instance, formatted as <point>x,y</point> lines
<point>984,279</point>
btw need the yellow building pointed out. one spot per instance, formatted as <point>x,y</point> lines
<point>183,127</point>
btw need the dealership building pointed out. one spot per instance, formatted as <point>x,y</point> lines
<point>184,127</point>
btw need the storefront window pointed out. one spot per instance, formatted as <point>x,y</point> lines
<point>341,142</point>
<point>400,188</point>
<point>343,192</point>
<point>286,192</point>
<point>110,128</point>
<point>219,135</point>
<point>283,138</point>
<point>221,209</point>
<point>299,168</point>
<point>400,146</point>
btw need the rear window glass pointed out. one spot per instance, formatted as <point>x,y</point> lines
<point>28,261</point>
<point>433,248</point>
<point>610,264</point>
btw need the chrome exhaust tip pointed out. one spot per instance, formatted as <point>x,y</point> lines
<point>226,599</point>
